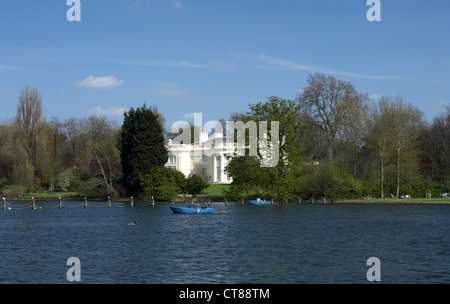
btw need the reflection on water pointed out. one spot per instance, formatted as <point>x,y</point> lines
<point>236,244</point>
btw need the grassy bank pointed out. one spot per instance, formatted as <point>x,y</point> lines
<point>397,201</point>
<point>214,191</point>
<point>51,194</point>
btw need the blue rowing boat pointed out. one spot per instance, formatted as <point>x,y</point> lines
<point>191,210</point>
<point>258,203</point>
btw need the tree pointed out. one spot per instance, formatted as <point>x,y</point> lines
<point>30,139</point>
<point>201,169</point>
<point>435,151</point>
<point>101,135</point>
<point>249,177</point>
<point>330,103</point>
<point>393,132</point>
<point>162,183</point>
<point>64,180</point>
<point>53,165</point>
<point>6,151</point>
<point>195,184</point>
<point>407,121</point>
<point>380,135</point>
<point>142,146</point>
<point>161,118</point>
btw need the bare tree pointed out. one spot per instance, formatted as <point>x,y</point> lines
<point>394,127</point>
<point>407,121</point>
<point>100,134</point>
<point>330,103</point>
<point>57,139</point>
<point>161,118</point>
<point>30,139</point>
<point>380,136</point>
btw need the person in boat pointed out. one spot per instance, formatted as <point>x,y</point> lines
<point>204,206</point>
<point>193,205</point>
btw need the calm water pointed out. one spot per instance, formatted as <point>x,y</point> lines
<point>236,244</point>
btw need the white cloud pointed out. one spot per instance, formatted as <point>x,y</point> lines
<point>178,4</point>
<point>216,65</point>
<point>439,105</point>
<point>112,111</point>
<point>182,64</point>
<point>276,63</point>
<point>8,67</point>
<point>221,65</point>
<point>139,2</point>
<point>169,90</point>
<point>106,82</point>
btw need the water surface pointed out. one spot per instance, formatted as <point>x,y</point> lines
<point>236,244</point>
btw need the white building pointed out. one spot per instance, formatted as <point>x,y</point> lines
<point>212,151</point>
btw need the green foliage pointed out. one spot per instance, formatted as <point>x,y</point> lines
<point>92,187</point>
<point>330,146</point>
<point>292,128</point>
<point>63,181</point>
<point>250,179</point>
<point>162,184</point>
<point>247,177</point>
<point>196,184</point>
<point>68,180</point>
<point>142,146</point>
<point>15,191</point>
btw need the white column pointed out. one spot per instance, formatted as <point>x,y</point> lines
<point>222,168</point>
<point>214,162</point>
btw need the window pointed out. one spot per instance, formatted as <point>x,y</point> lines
<point>204,158</point>
<point>172,159</point>
<point>218,174</point>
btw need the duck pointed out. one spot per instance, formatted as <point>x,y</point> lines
<point>132,223</point>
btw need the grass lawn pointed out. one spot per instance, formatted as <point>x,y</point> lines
<point>51,194</point>
<point>214,190</point>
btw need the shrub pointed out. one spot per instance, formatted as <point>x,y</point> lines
<point>196,184</point>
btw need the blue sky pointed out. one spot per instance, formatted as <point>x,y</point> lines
<point>216,57</point>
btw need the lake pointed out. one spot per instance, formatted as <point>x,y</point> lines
<point>236,244</point>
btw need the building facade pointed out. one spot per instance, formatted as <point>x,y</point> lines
<point>209,155</point>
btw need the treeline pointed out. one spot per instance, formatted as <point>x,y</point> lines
<point>91,156</point>
<point>77,155</point>
<point>334,142</point>
<point>337,143</point>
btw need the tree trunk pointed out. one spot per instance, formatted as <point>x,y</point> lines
<point>102,171</point>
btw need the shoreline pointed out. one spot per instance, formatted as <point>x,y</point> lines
<point>411,201</point>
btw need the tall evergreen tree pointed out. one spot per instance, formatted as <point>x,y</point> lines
<point>142,146</point>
